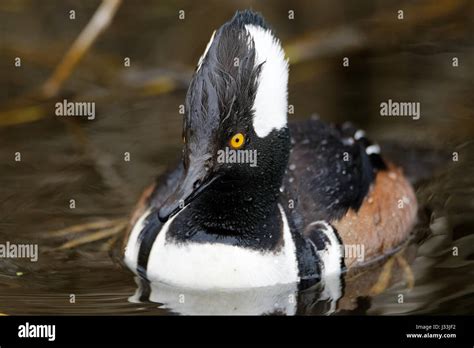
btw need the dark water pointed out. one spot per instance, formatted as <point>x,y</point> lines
<point>137,112</point>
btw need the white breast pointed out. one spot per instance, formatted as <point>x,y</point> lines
<point>206,265</point>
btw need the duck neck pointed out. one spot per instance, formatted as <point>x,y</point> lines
<point>246,209</point>
<point>245,215</point>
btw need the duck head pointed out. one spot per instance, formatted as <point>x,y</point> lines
<point>235,126</point>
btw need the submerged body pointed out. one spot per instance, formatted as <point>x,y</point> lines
<point>287,217</point>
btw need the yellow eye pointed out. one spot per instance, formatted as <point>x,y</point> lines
<point>237,141</point>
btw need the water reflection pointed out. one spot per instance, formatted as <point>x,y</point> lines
<point>256,301</point>
<point>281,299</point>
<point>327,297</point>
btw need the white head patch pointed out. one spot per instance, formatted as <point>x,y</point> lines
<point>271,101</point>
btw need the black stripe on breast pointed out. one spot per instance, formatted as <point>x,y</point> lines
<point>146,238</point>
<point>317,233</point>
<point>145,290</point>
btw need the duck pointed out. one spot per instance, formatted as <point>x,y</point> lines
<point>257,201</point>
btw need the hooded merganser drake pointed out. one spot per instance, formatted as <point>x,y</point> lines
<point>256,201</point>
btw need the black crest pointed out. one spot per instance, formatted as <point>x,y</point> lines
<point>222,91</point>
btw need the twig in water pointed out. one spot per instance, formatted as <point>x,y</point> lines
<point>99,21</point>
